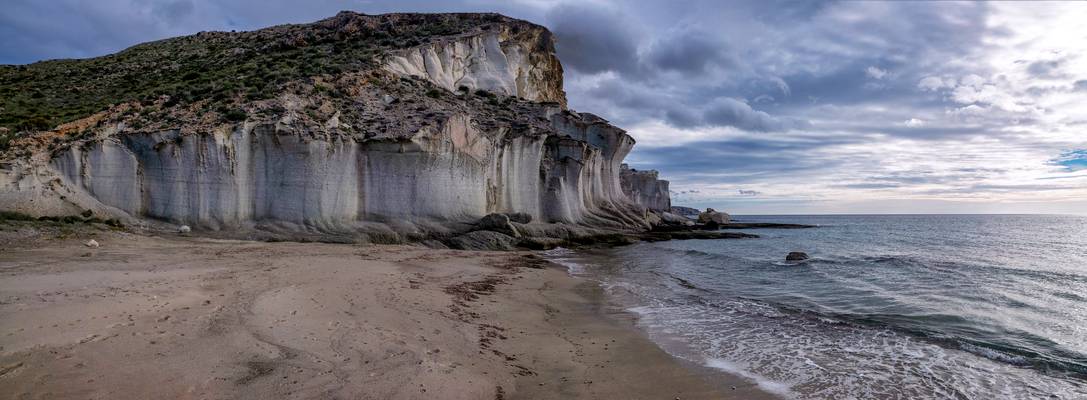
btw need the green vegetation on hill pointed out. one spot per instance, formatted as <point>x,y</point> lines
<point>221,66</point>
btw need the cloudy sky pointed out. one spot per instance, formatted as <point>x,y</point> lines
<point>760,107</point>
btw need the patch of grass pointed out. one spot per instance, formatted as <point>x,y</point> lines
<point>5,140</point>
<point>14,216</point>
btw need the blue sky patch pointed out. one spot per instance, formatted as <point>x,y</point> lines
<point>1074,160</point>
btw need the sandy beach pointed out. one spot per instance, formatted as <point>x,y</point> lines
<point>179,317</point>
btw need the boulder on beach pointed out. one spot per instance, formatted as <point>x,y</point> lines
<point>520,217</point>
<point>483,240</point>
<point>714,216</point>
<point>498,223</point>
<point>796,256</point>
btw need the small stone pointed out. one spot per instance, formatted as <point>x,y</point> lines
<point>184,229</point>
<point>92,244</point>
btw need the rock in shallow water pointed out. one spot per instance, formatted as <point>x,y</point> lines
<point>796,256</point>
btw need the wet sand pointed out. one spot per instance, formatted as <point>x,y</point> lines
<point>174,317</point>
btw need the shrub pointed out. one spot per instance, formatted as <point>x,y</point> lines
<point>5,140</point>
<point>14,216</point>
<point>235,115</point>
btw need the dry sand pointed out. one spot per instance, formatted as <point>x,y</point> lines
<point>155,318</point>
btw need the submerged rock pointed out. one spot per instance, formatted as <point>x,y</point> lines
<point>796,256</point>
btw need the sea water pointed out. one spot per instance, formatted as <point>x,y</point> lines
<point>888,307</point>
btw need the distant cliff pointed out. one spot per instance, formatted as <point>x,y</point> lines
<point>645,188</point>
<point>401,124</point>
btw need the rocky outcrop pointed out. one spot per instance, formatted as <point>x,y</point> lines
<point>686,211</point>
<point>714,216</point>
<point>516,59</point>
<point>396,151</point>
<point>645,188</point>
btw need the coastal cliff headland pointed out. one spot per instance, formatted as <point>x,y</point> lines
<point>126,180</point>
<point>391,128</point>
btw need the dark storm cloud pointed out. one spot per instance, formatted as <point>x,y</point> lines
<point>732,112</point>
<point>743,160</point>
<point>593,39</point>
<point>645,102</point>
<point>761,66</point>
<point>689,51</point>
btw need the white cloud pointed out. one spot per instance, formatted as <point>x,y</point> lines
<point>875,72</point>
<point>913,123</point>
<point>933,83</point>
<point>972,80</point>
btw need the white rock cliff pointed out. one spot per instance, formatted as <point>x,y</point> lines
<point>454,166</point>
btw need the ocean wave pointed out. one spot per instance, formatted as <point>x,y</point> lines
<point>935,329</point>
<point>782,389</point>
<point>884,311</point>
<point>994,355</point>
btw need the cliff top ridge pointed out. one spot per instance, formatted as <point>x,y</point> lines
<point>220,70</point>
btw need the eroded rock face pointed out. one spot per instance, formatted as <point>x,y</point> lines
<point>387,150</point>
<point>515,60</point>
<point>263,173</point>
<point>645,188</point>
